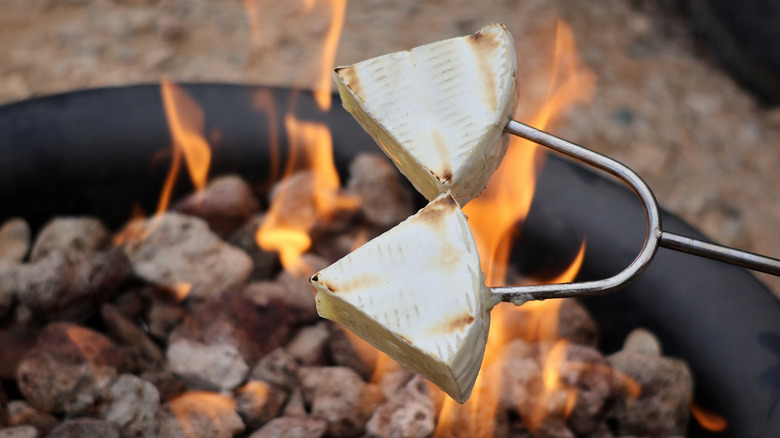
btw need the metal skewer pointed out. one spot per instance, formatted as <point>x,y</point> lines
<point>655,237</point>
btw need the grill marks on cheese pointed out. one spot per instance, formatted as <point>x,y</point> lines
<point>438,111</point>
<point>416,293</point>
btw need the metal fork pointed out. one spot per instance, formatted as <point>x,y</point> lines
<point>655,236</point>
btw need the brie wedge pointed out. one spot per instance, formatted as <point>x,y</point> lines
<point>417,293</point>
<point>439,110</point>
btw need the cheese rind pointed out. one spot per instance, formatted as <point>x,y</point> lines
<point>418,294</point>
<point>439,110</point>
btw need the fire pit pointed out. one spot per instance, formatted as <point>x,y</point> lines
<point>90,152</point>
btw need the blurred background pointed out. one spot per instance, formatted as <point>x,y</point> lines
<point>676,96</point>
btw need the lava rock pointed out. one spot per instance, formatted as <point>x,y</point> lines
<point>126,332</point>
<point>163,317</point>
<point>8,285</point>
<point>20,413</point>
<point>654,394</point>
<point>14,242</point>
<point>71,368</point>
<point>384,200</point>
<point>309,345</point>
<point>296,296</point>
<point>576,324</point>
<point>277,368</point>
<point>340,396</point>
<point>265,263</point>
<point>298,427</point>
<point>20,432</point>
<point>168,385</point>
<point>196,414</point>
<point>408,413</point>
<point>82,234</point>
<point>3,406</point>
<point>82,427</point>
<point>642,341</point>
<point>225,204</point>
<point>588,373</point>
<point>258,403</point>
<point>69,284</point>
<point>233,318</point>
<point>133,405</point>
<point>207,366</point>
<point>347,349</point>
<point>181,250</point>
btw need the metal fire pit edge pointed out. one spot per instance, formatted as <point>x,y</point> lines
<point>98,152</point>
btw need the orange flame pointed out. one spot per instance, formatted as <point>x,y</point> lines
<point>493,217</point>
<point>185,122</point>
<point>322,89</point>
<point>293,214</point>
<point>708,419</point>
<point>192,404</point>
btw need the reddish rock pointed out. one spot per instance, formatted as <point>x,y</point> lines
<point>20,432</point>
<point>225,204</point>
<point>293,294</point>
<point>259,402</point>
<point>233,318</point>
<point>168,385</point>
<point>71,368</point>
<point>14,242</point>
<point>350,351</point>
<point>128,333</point>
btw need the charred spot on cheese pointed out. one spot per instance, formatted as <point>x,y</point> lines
<point>439,110</point>
<point>417,293</point>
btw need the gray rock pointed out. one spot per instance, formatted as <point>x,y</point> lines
<point>20,413</point>
<point>133,405</point>
<point>654,394</point>
<point>259,402</point>
<point>212,367</point>
<point>278,368</point>
<point>83,234</point>
<point>308,345</point>
<point>69,284</point>
<point>384,200</point>
<point>8,285</point>
<point>14,242</point>
<point>576,324</point>
<point>198,414</point>
<point>225,204</point>
<point>408,413</point>
<point>181,250</point>
<point>293,293</point>
<point>642,341</point>
<point>84,427</point>
<point>341,397</point>
<point>293,427</point>
<point>20,432</point>
<point>126,332</point>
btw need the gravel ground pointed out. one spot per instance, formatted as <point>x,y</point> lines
<point>709,151</point>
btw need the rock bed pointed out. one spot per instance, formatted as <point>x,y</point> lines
<point>180,325</point>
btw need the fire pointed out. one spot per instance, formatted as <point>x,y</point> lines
<point>493,217</point>
<point>192,404</point>
<point>300,204</point>
<point>185,122</point>
<point>708,419</point>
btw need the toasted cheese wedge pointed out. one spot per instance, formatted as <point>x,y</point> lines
<point>417,293</point>
<point>439,110</point>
